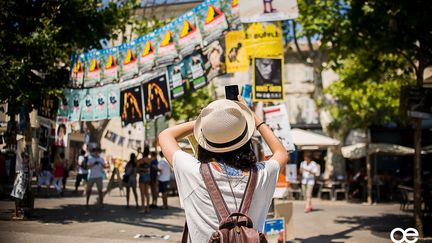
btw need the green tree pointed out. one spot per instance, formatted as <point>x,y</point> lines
<point>187,107</point>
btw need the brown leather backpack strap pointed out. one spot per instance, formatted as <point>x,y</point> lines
<point>185,235</point>
<point>219,204</point>
<point>249,191</point>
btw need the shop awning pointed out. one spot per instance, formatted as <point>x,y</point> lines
<point>358,150</point>
<point>310,140</point>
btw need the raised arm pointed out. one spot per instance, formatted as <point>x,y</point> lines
<point>168,139</point>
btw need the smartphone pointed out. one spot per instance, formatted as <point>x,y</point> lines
<point>232,92</point>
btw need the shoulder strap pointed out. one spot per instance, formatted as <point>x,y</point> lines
<point>219,204</point>
<point>249,190</point>
<point>185,235</point>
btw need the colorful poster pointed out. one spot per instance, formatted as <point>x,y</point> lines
<point>166,51</point>
<point>267,10</point>
<point>113,92</point>
<point>264,39</point>
<point>215,54</point>
<point>77,70</point>
<point>156,97</point>
<point>247,94</point>
<point>236,58</point>
<point>109,65</point>
<point>274,230</point>
<point>267,77</point>
<point>187,34</point>
<point>62,131</point>
<point>87,105</point>
<point>177,76</point>
<point>195,68</point>
<point>291,172</point>
<point>131,105</point>
<point>276,117</point>
<point>231,10</point>
<point>128,61</point>
<point>92,70</point>
<point>147,52</point>
<point>211,21</point>
<point>76,95</point>
<point>100,103</point>
<point>63,110</point>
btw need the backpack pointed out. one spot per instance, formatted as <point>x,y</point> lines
<point>84,164</point>
<point>233,227</point>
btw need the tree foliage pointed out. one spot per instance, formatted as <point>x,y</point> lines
<point>187,107</point>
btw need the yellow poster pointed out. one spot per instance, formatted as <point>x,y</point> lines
<point>236,57</point>
<point>264,39</point>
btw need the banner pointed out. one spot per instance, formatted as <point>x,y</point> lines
<point>177,76</point>
<point>215,56</point>
<point>195,68</point>
<point>113,92</point>
<point>77,70</point>
<point>267,10</point>
<point>110,66</point>
<point>100,101</point>
<point>49,107</point>
<point>236,57</point>
<point>211,21</point>
<point>92,70</point>
<point>156,97</point>
<point>87,105</point>
<point>63,109</point>
<point>75,97</point>
<point>268,79</point>
<point>131,105</point>
<point>231,10</point>
<point>187,34</point>
<point>166,51</point>
<point>264,39</point>
<point>128,61</point>
<point>146,50</point>
<point>276,117</point>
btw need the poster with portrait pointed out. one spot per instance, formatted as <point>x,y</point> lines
<point>275,230</point>
<point>100,102</point>
<point>177,76</point>
<point>166,49</point>
<point>128,61</point>
<point>44,134</point>
<point>75,97</point>
<point>156,97</point>
<point>195,68</point>
<point>211,21</point>
<point>215,59</point>
<point>131,107</point>
<point>291,172</point>
<point>92,69</point>
<point>267,10</point>
<point>77,70</point>
<point>63,109</point>
<point>231,10</point>
<point>267,77</point>
<point>236,57</point>
<point>146,52</point>
<point>109,65</point>
<point>87,105</point>
<point>264,39</point>
<point>187,34</point>
<point>62,131</point>
<point>113,93</point>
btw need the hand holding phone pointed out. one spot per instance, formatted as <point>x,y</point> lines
<point>232,92</point>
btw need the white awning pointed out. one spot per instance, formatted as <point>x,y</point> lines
<point>309,140</point>
<point>358,150</point>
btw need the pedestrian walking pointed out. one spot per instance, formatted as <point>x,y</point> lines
<point>96,165</point>
<point>309,170</point>
<point>82,172</point>
<point>144,179</point>
<point>45,173</point>
<point>59,171</point>
<point>225,163</point>
<point>164,178</point>
<point>154,179</point>
<point>129,179</point>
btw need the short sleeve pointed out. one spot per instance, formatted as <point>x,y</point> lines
<point>187,174</point>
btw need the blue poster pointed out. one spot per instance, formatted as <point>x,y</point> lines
<point>275,230</point>
<point>128,61</point>
<point>87,105</point>
<point>74,113</point>
<point>100,103</point>
<point>113,92</point>
<point>92,73</point>
<point>63,110</point>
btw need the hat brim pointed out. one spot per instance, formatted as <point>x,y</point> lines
<point>247,113</point>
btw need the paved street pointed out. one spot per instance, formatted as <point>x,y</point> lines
<point>67,220</point>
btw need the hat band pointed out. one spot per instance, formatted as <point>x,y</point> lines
<point>227,144</point>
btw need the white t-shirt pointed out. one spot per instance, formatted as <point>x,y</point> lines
<point>97,170</point>
<point>308,177</point>
<point>165,170</point>
<point>81,159</point>
<point>194,198</point>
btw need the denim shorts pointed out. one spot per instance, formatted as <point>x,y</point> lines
<point>144,178</point>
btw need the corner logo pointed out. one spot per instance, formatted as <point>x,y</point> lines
<point>212,14</point>
<point>186,29</point>
<point>409,235</point>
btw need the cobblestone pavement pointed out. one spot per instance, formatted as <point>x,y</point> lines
<point>67,220</point>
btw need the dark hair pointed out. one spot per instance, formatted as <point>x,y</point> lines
<point>146,151</point>
<point>83,152</point>
<point>161,154</point>
<point>62,155</point>
<point>45,153</point>
<point>153,154</point>
<point>132,159</point>
<point>242,158</point>
<point>61,126</point>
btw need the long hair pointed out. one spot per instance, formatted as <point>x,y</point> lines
<point>242,158</point>
<point>132,159</point>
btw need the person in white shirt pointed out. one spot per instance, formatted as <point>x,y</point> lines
<point>223,131</point>
<point>96,165</point>
<point>309,170</point>
<point>82,170</point>
<point>164,178</point>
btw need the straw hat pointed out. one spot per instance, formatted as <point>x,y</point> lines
<point>224,125</point>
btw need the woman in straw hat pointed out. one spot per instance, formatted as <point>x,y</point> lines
<point>223,130</point>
